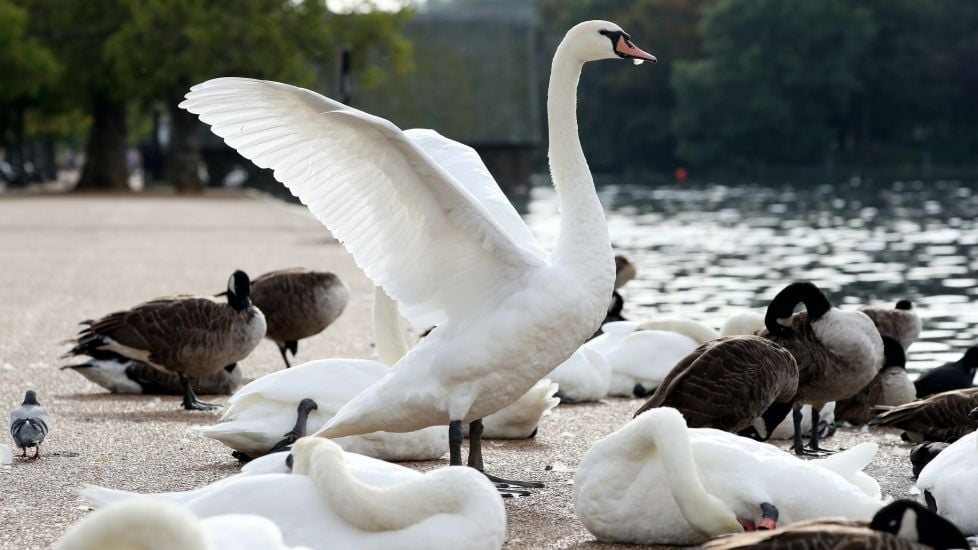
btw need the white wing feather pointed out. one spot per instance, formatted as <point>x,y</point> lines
<point>437,243</point>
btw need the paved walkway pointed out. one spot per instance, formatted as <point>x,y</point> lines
<point>68,258</point>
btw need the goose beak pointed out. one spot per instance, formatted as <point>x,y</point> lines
<point>625,48</point>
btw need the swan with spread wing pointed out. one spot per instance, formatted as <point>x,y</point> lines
<point>424,219</point>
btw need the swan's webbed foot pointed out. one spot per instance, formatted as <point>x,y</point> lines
<point>498,481</point>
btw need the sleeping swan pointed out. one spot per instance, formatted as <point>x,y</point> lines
<point>160,525</point>
<point>948,483</point>
<point>335,499</point>
<point>655,481</point>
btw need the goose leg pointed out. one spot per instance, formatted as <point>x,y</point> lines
<point>799,447</point>
<point>475,461</point>
<point>813,442</point>
<point>190,401</point>
<point>299,430</point>
<point>282,349</point>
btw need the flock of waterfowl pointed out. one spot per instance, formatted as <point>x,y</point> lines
<point>428,225</point>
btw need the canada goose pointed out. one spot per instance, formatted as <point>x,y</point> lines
<point>838,352</point>
<point>337,499</point>
<point>298,303</point>
<point>655,481</point>
<point>949,376</point>
<point>948,482</point>
<point>29,424</point>
<point>160,525</point>
<point>425,220</point>
<point>900,322</point>
<point>190,336</point>
<point>900,525</point>
<point>890,387</point>
<point>120,374</point>
<point>940,417</point>
<point>624,270</point>
<point>728,382</point>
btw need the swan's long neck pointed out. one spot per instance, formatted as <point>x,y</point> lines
<point>376,509</point>
<point>388,336</point>
<point>583,231</point>
<point>666,436</point>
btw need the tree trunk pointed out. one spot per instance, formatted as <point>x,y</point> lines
<point>184,151</point>
<point>105,153</point>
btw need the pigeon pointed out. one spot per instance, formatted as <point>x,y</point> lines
<point>29,424</point>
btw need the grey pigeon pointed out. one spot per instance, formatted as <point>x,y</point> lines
<point>29,424</point>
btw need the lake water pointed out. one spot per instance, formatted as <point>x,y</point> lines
<point>706,251</point>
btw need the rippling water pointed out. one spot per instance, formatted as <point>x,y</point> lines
<point>706,251</point>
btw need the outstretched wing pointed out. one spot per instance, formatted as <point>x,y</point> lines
<point>436,244</point>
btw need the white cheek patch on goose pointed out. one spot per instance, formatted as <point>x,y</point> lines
<point>231,288</point>
<point>908,526</point>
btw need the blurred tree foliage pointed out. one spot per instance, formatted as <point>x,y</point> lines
<point>775,78</point>
<point>123,52</point>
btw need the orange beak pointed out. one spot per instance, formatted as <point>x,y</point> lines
<point>625,48</point>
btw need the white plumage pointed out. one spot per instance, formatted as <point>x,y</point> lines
<point>655,481</point>
<point>951,479</point>
<point>423,218</point>
<point>335,499</point>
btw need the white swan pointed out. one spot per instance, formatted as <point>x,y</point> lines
<point>949,483</point>
<point>639,359</point>
<point>585,376</point>
<point>430,226</point>
<point>335,499</point>
<point>160,525</point>
<point>741,323</point>
<point>654,481</point>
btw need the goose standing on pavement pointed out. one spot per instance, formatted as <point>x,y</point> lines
<point>900,525</point>
<point>298,303</point>
<point>838,352</point>
<point>424,219</point>
<point>729,382</point>
<point>891,387</point>
<point>900,322</point>
<point>29,424</point>
<point>955,375</point>
<point>191,336</point>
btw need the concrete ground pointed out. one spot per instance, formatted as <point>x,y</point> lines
<point>68,258</point>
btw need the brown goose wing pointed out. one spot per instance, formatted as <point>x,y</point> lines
<point>830,535</point>
<point>728,382</point>
<point>942,413</point>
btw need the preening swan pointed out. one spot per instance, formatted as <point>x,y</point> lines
<point>160,525</point>
<point>655,481</point>
<point>424,220</point>
<point>335,499</point>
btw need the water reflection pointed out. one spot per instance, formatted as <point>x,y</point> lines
<point>705,251</point>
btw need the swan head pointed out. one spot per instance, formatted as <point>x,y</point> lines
<point>594,40</point>
<point>310,453</point>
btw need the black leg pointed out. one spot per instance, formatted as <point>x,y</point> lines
<point>285,357</point>
<point>299,430</point>
<point>455,443</point>
<point>813,441</point>
<point>799,447</point>
<point>475,461</point>
<point>190,401</point>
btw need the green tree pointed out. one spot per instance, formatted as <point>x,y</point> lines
<point>26,67</point>
<point>776,78</point>
<point>166,46</point>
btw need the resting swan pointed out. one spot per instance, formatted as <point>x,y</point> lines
<point>948,482</point>
<point>160,525</point>
<point>585,376</point>
<point>430,225</point>
<point>335,499</point>
<point>639,359</point>
<point>655,481</point>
